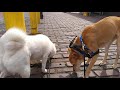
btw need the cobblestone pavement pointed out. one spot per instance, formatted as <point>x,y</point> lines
<point>60,28</point>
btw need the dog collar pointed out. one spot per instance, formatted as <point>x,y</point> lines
<point>84,47</point>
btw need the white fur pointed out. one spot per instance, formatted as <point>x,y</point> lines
<point>17,49</point>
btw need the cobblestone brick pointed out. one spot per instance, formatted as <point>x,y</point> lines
<point>100,58</point>
<point>65,55</point>
<point>113,48</point>
<point>66,69</point>
<point>113,57</point>
<point>64,49</point>
<point>60,75</point>
<point>51,71</point>
<point>60,60</point>
<point>69,64</point>
<point>61,64</point>
<point>57,56</point>
<point>102,54</point>
<point>81,74</point>
<point>105,73</point>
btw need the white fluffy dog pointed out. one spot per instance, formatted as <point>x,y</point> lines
<point>17,49</point>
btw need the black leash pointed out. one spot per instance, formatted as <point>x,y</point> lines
<point>49,62</point>
<point>84,67</point>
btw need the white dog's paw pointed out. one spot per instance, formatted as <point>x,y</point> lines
<point>114,66</point>
<point>44,70</point>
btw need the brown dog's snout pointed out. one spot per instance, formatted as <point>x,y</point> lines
<point>73,57</point>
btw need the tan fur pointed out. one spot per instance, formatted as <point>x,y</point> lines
<point>98,35</point>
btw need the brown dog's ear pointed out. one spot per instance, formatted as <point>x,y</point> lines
<point>69,50</point>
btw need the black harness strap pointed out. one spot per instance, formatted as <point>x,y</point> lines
<point>84,67</point>
<point>85,54</point>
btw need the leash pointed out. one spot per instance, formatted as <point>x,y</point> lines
<point>49,62</point>
<point>84,67</point>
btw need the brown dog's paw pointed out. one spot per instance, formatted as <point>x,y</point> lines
<point>114,66</point>
<point>72,75</point>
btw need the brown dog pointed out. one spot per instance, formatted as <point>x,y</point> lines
<point>95,36</point>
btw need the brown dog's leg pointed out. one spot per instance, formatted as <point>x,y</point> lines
<point>117,56</point>
<point>104,61</point>
<point>76,67</point>
<point>93,60</point>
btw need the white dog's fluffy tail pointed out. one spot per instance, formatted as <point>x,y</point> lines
<point>14,38</point>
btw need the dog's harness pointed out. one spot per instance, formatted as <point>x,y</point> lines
<point>89,55</point>
<point>83,49</point>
